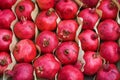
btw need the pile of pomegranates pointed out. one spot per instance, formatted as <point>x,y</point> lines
<point>59,40</point>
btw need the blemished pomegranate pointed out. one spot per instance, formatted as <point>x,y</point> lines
<point>90,18</point>
<point>89,40</point>
<point>47,41</point>
<point>93,63</point>
<point>109,50</point>
<point>46,20</point>
<point>108,30</point>
<point>66,9</point>
<point>5,60</point>
<point>24,29</point>
<point>46,66</point>
<point>67,52</point>
<point>45,4</point>
<point>69,72</point>
<point>5,39</point>
<point>66,30</point>
<point>90,3</point>
<point>21,71</point>
<point>108,72</point>
<point>24,9</point>
<point>7,4</point>
<point>25,51</point>
<point>109,9</point>
<point>6,18</point>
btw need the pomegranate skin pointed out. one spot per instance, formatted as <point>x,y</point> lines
<point>24,29</point>
<point>66,9</point>
<point>109,9</point>
<point>89,40</point>
<point>5,60</point>
<point>7,4</point>
<point>90,3</point>
<point>108,30</point>
<point>24,9</point>
<point>5,39</point>
<point>42,4</point>
<point>66,30</point>
<point>109,51</point>
<point>6,18</point>
<point>46,20</point>
<point>67,52</point>
<point>47,41</point>
<point>24,51</point>
<point>93,63</point>
<point>90,17</point>
<point>69,72</point>
<point>108,72</point>
<point>21,71</point>
<point>46,66</point>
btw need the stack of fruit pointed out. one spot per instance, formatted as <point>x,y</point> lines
<point>60,39</point>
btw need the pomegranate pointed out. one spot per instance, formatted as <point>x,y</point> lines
<point>109,9</point>
<point>46,20</point>
<point>66,30</point>
<point>93,63</point>
<point>66,9</point>
<point>108,72</point>
<point>7,4</point>
<point>5,39</point>
<point>90,3</point>
<point>47,41</point>
<point>90,17</point>
<point>24,8</point>
<point>21,71</point>
<point>24,51</point>
<point>69,72</point>
<point>109,30</point>
<point>46,66</point>
<point>109,51</point>
<point>67,52</point>
<point>5,60</point>
<point>6,18</point>
<point>89,40</point>
<point>24,29</point>
<point>45,4</point>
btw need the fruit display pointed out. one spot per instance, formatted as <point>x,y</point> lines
<point>60,40</point>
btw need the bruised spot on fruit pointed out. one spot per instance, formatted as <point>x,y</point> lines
<point>21,60</point>
<point>40,69</point>
<point>21,8</point>
<point>94,36</point>
<point>6,38</point>
<point>3,62</point>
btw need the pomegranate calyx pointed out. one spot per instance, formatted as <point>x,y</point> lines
<point>3,62</point>
<point>21,8</point>
<point>6,38</point>
<point>49,12</point>
<point>45,43</point>
<point>40,69</point>
<point>111,5</point>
